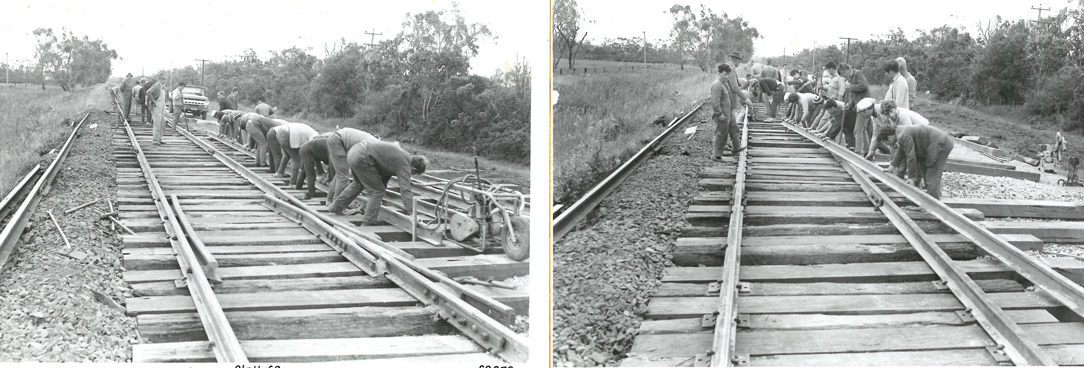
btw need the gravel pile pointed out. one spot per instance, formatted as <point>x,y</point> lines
<point>959,185</point>
<point>604,275</point>
<point>59,304</point>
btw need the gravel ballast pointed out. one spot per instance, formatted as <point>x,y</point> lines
<point>604,274</point>
<point>59,304</point>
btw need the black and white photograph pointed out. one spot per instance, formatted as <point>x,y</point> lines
<point>272,182</point>
<point>803,183</point>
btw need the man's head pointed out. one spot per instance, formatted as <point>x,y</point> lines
<point>735,57</point>
<point>234,90</point>
<point>143,80</point>
<point>845,70</point>
<point>218,114</point>
<point>221,94</point>
<point>794,73</point>
<point>723,69</point>
<point>181,84</point>
<point>128,76</point>
<point>903,64</point>
<point>792,97</point>
<point>892,68</point>
<point>865,106</point>
<point>418,164</point>
<point>887,133</point>
<point>768,62</point>
<point>831,68</point>
<point>800,66</point>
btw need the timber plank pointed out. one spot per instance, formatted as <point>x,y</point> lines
<point>860,340</point>
<point>163,288</point>
<point>298,324</point>
<point>283,300</point>
<point>169,261</point>
<point>672,289</point>
<point>867,272</point>
<point>1057,210</point>
<point>1051,232</point>
<point>484,266</point>
<point>337,269</point>
<point>955,357</point>
<point>314,350</point>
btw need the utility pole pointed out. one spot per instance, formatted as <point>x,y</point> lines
<point>372,37</point>
<point>201,62</point>
<point>848,52</point>
<point>1040,9</point>
<point>7,66</point>
<point>814,66</point>
<point>645,47</point>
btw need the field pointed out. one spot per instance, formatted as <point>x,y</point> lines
<point>607,66</point>
<point>30,124</point>
<point>601,119</point>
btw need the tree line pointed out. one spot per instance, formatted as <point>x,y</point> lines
<point>66,60</point>
<point>415,85</point>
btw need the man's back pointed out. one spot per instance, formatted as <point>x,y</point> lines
<point>264,109</point>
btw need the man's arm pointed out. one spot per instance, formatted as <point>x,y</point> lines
<point>907,148</point>
<point>405,189</point>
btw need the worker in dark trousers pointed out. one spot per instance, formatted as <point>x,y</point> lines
<point>372,164</point>
<point>925,151</point>
<point>291,137</point>
<point>144,105</point>
<point>337,146</point>
<point>314,153</point>
<point>228,118</point>
<point>126,96</point>
<point>275,150</point>
<point>257,127</point>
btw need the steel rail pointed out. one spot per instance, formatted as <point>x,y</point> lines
<point>7,203</point>
<point>210,264</point>
<point>1059,287</point>
<point>225,345</point>
<point>577,211</point>
<point>17,223</point>
<point>1002,329</point>
<point>376,257</point>
<point>224,341</point>
<point>726,327</point>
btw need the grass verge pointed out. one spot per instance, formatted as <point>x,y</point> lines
<point>601,120</point>
<point>31,124</point>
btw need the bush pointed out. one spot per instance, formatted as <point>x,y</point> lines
<point>1060,95</point>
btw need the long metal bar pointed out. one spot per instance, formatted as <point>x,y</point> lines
<point>1060,288</point>
<point>577,211</point>
<point>17,223</point>
<point>225,345</point>
<point>210,264</point>
<point>6,202</point>
<point>473,323</point>
<point>374,258</point>
<point>1017,345</point>
<point>726,328</point>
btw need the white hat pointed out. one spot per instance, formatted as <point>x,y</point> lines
<point>864,104</point>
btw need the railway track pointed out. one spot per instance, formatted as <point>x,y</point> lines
<point>801,253</point>
<point>228,264</point>
<point>19,204</point>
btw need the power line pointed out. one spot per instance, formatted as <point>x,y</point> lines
<point>1040,9</point>
<point>372,37</point>
<point>848,52</point>
<point>201,62</point>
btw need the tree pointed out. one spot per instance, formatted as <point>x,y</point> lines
<point>718,36</point>
<point>566,27</point>
<point>682,31</point>
<point>1001,74</point>
<point>71,60</point>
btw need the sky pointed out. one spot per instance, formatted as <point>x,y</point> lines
<point>152,34</point>
<point>794,25</point>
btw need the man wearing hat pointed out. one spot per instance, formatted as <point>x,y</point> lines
<point>372,164</point>
<point>721,113</point>
<point>738,100</point>
<point>156,103</point>
<point>126,95</point>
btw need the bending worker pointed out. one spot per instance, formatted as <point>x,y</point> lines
<point>313,153</point>
<point>925,151</point>
<point>338,145</point>
<point>229,119</point>
<point>888,113</point>
<point>372,164</point>
<point>291,137</point>
<point>257,127</point>
<point>273,148</point>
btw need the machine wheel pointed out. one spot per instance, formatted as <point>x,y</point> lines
<point>521,249</point>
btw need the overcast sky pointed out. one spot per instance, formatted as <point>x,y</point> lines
<point>151,34</point>
<point>797,24</point>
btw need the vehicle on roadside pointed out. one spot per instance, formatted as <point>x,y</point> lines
<point>195,101</point>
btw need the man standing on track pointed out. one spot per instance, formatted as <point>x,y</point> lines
<point>912,84</point>
<point>338,145</point>
<point>720,104</point>
<point>126,96</point>
<point>156,102</point>
<point>925,151</point>
<point>137,90</point>
<point>897,91</point>
<point>178,106</point>
<point>142,97</point>
<point>313,153</point>
<point>738,99</point>
<point>225,130</point>
<point>372,164</point>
